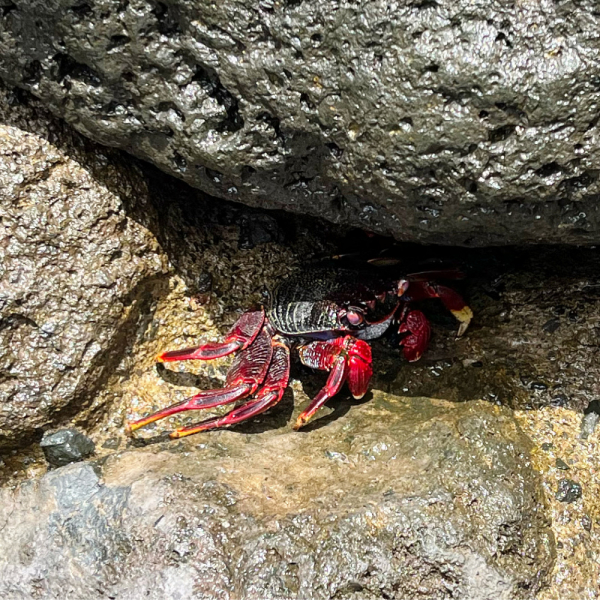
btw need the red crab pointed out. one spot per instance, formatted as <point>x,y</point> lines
<point>328,315</point>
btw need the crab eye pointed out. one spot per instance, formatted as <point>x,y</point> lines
<point>354,318</point>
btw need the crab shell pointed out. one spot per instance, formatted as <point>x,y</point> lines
<point>322,304</point>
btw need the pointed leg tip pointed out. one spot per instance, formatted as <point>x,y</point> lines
<point>301,421</point>
<point>298,424</point>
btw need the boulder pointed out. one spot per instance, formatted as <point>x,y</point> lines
<point>447,121</point>
<point>74,268</point>
<point>398,498</point>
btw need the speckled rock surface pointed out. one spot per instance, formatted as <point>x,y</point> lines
<point>399,499</point>
<point>73,267</point>
<point>445,122</point>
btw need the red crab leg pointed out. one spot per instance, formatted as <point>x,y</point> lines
<point>241,335</point>
<point>415,323</point>
<point>246,373</point>
<point>347,359</point>
<point>268,396</point>
<point>420,290</point>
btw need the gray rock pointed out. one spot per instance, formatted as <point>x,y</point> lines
<point>66,446</point>
<point>445,122</point>
<point>74,268</point>
<point>400,498</point>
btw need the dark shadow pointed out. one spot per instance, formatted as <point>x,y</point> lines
<point>184,379</point>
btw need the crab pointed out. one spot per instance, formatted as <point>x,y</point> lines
<point>328,316</point>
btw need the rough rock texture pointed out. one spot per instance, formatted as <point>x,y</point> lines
<point>400,499</point>
<point>73,268</point>
<point>441,121</point>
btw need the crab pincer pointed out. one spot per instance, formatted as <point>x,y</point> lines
<point>347,359</point>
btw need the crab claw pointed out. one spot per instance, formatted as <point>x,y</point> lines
<point>453,301</point>
<point>241,335</point>
<point>347,359</point>
<point>415,324</point>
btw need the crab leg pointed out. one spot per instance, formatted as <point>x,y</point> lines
<point>347,359</point>
<point>241,335</point>
<point>269,395</point>
<point>246,373</point>
<point>416,325</point>
<point>420,290</point>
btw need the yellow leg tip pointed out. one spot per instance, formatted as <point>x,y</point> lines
<point>464,316</point>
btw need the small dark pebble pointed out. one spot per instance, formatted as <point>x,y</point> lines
<point>477,364</point>
<point>568,491</point>
<point>562,465</point>
<point>588,425</point>
<point>559,400</point>
<point>551,326</point>
<point>258,228</point>
<point>112,443</point>
<point>560,310</point>
<point>560,545</point>
<point>538,385</point>
<point>66,446</point>
<point>573,316</point>
<point>204,283</point>
<point>586,522</point>
<point>547,446</point>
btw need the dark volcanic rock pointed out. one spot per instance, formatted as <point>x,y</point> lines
<point>73,269</point>
<point>66,446</point>
<point>404,499</point>
<point>445,122</point>
<point>568,491</point>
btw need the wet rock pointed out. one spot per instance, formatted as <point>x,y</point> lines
<point>561,464</point>
<point>416,122</point>
<point>568,491</point>
<point>66,446</point>
<point>399,498</point>
<point>75,268</point>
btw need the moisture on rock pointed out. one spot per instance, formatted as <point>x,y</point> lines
<point>73,268</point>
<point>66,446</point>
<point>439,122</point>
<point>401,498</point>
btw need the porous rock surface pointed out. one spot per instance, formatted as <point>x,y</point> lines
<point>73,268</point>
<point>400,499</point>
<point>438,121</point>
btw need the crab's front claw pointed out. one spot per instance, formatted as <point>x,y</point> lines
<point>417,329</point>
<point>242,334</point>
<point>347,359</point>
<point>452,300</point>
